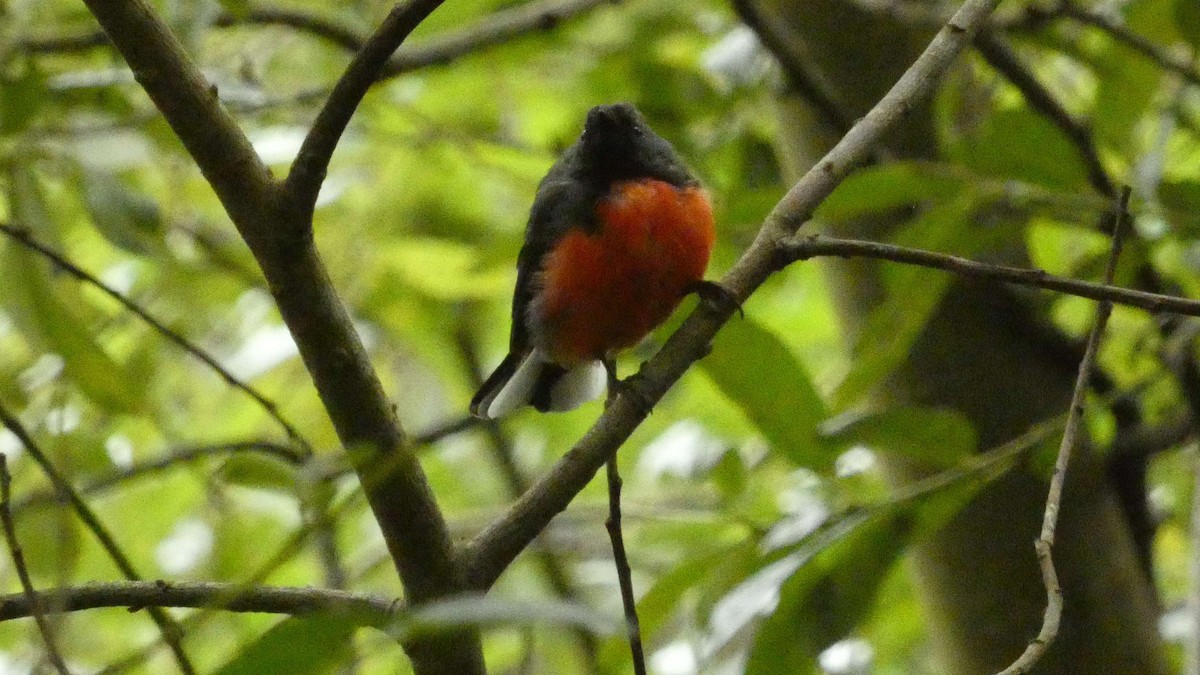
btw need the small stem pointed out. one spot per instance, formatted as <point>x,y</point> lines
<point>1072,436</point>
<point>624,578</point>
<point>18,558</point>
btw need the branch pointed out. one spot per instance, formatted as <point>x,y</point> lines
<point>1071,438</point>
<point>279,235</point>
<point>308,171</point>
<point>1183,67</point>
<point>169,628</point>
<point>25,238</point>
<point>501,448</point>
<point>301,20</point>
<point>263,15</point>
<point>801,75</point>
<point>494,549</point>
<point>633,627</point>
<point>18,558</point>
<point>191,106</point>
<point>233,597</point>
<point>168,460</point>
<point>804,247</point>
<point>1191,665</point>
<point>495,29</point>
<point>1001,57</point>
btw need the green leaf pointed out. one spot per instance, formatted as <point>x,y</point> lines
<point>445,269</point>
<point>913,294</point>
<point>237,8</point>
<point>889,186</point>
<point>1187,21</point>
<point>128,219</point>
<point>21,97</point>
<point>51,538</point>
<point>838,570</point>
<point>659,604</point>
<point>1128,81</point>
<point>828,594</point>
<point>1021,144</point>
<point>258,471</point>
<point>757,371</point>
<point>934,436</point>
<point>1181,200</point>
<point>298,646</point>
<point>53,311</point>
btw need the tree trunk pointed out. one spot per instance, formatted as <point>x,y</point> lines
<point>978,578</point>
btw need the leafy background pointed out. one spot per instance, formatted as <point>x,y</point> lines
<point>754,503</point>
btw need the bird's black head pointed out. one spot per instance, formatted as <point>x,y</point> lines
<point>617,144</point>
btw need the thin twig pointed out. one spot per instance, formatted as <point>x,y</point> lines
<point>232,597</point>
<point>494,549</point>
<point>495,29</point>
<point>1000,55</point>
<point>1071,438</point>
<point>312,161</point>
<point>809,246</point>
<point>300,20</point>
<point>797,68</point>
<point>225,595</point>
<point>1162,57</point>
<point>170,629</point>
<point>1191,664</point>
<point>18,557</point>
<point>25,238</point>
<point>167,460</point>
<point>517,482</point>
<point>624,574</point>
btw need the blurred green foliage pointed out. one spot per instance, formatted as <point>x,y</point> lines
<point>420,222</point>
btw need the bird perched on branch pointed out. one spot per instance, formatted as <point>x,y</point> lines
<point>619,233</point>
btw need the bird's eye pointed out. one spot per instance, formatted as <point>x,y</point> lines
<point>638,131</point>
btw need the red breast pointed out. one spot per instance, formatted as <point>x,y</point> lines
<point>604,290</point>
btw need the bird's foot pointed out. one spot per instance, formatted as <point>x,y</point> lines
<point>632,387</point>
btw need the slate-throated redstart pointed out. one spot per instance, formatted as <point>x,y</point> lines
<point>619,233</point>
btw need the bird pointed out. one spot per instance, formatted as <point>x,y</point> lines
<point>619,233</point>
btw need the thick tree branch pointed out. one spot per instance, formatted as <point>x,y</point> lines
<point>308,171</point>
<point>811,246</point>
<point>515,479</point>
<point>493,549</point>
<point>169,628</point>
<point>279,235</point>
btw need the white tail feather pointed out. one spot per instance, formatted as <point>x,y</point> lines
<point>576,387</point>
<point>579,385</point>
<point>518,390</point>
